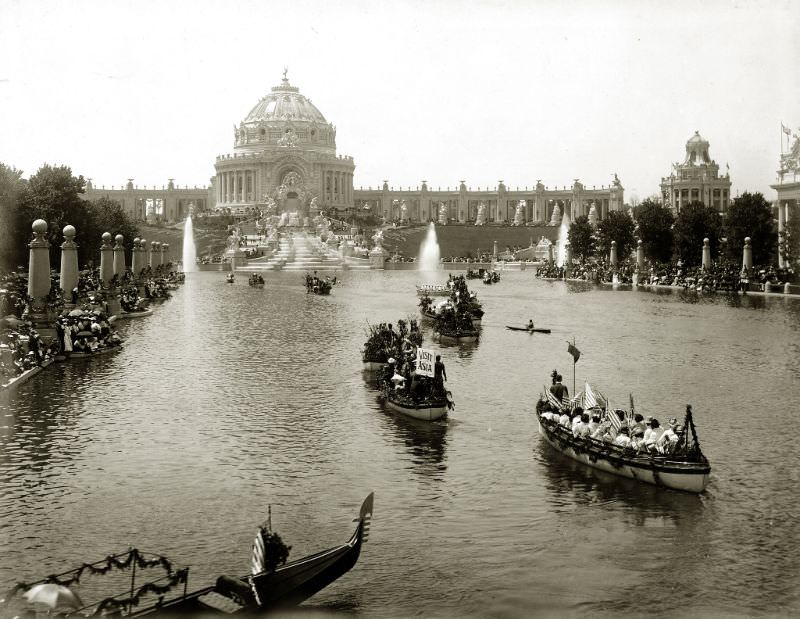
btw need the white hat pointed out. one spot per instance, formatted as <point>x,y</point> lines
<point>391,360</point>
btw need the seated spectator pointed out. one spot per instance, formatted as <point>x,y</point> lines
<point>669,439</point>
<point>651,439</point>
<point>623,440</point>
<point>564,419</point>
<point>582,429</point>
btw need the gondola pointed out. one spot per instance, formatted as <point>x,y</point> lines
<point>285,586</point>
<point>687,471</point>
<point>528,329</point>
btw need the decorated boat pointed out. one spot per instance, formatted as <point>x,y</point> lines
<point>429,409</point>
<point>318,285</point>
<point>256,281</point>
<point>469,334</point>
<point>684,468</point>
<point>230,278</point>
<point>457,318</point>
<point>273,583</point>
<point>385,343</point>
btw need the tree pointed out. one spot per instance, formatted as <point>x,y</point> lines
<point>618,226</point>
<point>105,215</point>
<point>13,236</point>
<point>53,194</point>
<point>655,223</point>
<point>751,215</point>
<point>695,222</point>
<point>581,237</point>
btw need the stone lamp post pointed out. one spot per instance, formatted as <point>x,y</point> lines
<point>106,260</point>
<point>706,254</point>
<point>69,264</point>
<point>613,257</point>
<point>38,275</point>
<point>137,262</point>
<point>164,253</point>
<point>119,257</point>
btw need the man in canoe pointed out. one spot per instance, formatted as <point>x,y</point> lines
<point>530,325</point>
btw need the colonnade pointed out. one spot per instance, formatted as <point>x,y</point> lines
<point>237,186</point>
<point>338,187</point>
<point>783,219</point>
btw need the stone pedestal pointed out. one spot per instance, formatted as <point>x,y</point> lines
<point>747,254</point>
<point>106,260</point>
<point>377,256</point>
<point>706,254</point>
<point>613,257</point>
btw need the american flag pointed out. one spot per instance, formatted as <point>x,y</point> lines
<point>589,399</point>
<point>258,560</point>
<point>565,401</point>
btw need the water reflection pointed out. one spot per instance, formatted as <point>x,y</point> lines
<point>425,442</point>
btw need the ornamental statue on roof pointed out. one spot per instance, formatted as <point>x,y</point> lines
<point>790,157</point>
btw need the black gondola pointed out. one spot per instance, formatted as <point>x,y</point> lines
<point>285,586</point>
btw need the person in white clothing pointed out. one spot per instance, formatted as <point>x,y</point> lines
<point>564,419</point>
<point>669,439</point>
<point>655,433</point>
<point>623,440</point>
<point>582,429</point>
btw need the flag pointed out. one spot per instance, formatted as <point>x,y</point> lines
<point>786,130</point>
<point>565,400</point>
<point>552,399</point>
<point>589,399</point>
<point>614,419</point>
<point>576,354</point>
<point>576,401</point>
<point>258,561</point>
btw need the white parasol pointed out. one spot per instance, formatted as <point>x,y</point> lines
<point>53,596</point>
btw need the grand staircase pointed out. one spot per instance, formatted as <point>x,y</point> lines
<point>300,253</point>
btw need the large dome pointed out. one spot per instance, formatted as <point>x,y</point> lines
<point>284,103</point>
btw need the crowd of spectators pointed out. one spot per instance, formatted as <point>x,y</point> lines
<point>722,276</point>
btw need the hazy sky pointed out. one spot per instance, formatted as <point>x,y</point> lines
<point>434,90</point>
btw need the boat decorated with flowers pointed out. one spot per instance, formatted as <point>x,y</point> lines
<point>430,408</point>
<point>272,584</point>
<point>459,318</point>
<point>384,342</point>
<point>680,465</point>
<point>319,285</point>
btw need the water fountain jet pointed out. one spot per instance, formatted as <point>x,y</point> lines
<point>429,251</point>
<point>189,256</point>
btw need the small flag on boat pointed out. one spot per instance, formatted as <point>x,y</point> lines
<point>552,399</point>
<point>565,401</point>
<point>576,354</point>
<point>589,399</point>
<point>258,561</point>
<point>614,419</point>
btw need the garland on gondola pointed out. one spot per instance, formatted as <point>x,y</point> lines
<point>112,603</point>
<point>383,343</point>
<point>105,566</point>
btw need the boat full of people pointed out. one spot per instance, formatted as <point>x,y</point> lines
<point>272,584</point>
<point>319,285</point>
<point>230,278</point>
<point>459,318</point>
<point>623,442</point>
<point>255,280</point>
<point>384,342</point>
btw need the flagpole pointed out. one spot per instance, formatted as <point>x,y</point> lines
<point>573,368</point>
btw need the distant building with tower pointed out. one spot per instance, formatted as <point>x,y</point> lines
<point>696,179</point>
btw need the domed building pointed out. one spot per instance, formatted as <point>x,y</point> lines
<point>284,156</point>
<point>696,179</point>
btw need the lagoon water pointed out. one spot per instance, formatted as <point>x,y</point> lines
<point>230,399</point>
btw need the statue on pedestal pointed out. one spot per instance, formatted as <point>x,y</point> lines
<point>480,218</point>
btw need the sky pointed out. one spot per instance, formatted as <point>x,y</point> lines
<point>434,90</point>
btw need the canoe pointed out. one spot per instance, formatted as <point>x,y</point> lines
<point>97,353</point>
<point>534,330</point>
<point>137,314</point>
<point>685,473</point>
<point>262,592</point>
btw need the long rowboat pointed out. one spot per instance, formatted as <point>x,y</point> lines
<point>687,473</point>
<point>428,410</point>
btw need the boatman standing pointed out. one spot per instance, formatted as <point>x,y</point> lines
<point>530,325</point>
<point>439,374</point>
<point>559,390</point>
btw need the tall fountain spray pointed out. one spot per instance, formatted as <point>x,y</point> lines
<point>429,251</point>
<point>189,250</point>
<point>563,230</point>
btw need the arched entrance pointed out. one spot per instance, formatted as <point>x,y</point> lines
<point>292,204</point>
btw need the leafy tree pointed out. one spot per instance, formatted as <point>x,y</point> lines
<point>695,222</point>
<point>13,237</point>
<point>53,194</point>
<point>105,215</point>
<point>581,237</point>
<point>655,223</point>
<point>751,215</point>
<point>618,226</point>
